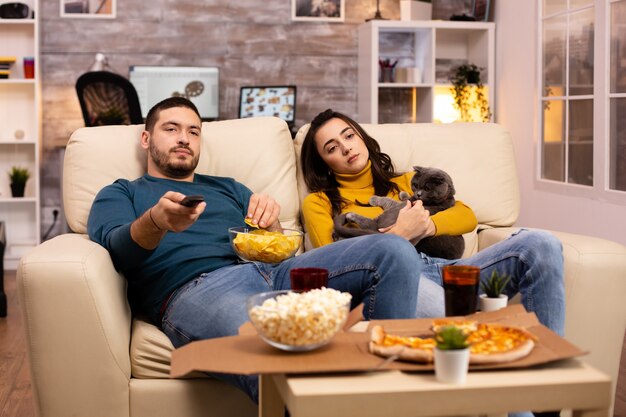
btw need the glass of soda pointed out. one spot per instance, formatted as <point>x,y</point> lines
<point>460,285</point>
<point>305,279</point>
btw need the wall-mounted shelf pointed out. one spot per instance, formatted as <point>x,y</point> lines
<point>20,100</point>
<point>433,47</point>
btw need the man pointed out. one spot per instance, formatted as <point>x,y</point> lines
<point>181,269</point>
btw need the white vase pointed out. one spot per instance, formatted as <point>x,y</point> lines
<point>492,304</point>
<point>415,10</point>
<point>451,366</point>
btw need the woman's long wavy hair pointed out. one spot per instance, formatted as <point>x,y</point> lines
<point>320,178</point>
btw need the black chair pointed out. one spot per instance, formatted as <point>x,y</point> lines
<point>107,98</point>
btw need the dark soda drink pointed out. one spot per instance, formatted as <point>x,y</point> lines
<point>305,279</point>
<point>461,297</point>
<point>460,285</point>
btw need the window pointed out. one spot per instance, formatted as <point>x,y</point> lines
<point>617,97</point>
<point>583,113</point>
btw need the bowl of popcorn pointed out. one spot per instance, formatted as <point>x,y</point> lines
<point>299,321</point>
<point>261,245</point>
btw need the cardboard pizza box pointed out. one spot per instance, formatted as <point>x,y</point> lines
<point>247,353</point>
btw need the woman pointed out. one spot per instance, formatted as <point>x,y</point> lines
<point>343,166</point>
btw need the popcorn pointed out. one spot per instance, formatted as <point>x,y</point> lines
<point>301,319</point>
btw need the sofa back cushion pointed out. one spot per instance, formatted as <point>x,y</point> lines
<point>257,152</point>
<point>478,156</point>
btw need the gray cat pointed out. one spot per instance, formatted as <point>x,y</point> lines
<point>434,188</point>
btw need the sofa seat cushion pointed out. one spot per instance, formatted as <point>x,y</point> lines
<point>151,352</point>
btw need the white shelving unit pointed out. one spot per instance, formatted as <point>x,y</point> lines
<point>20,110</point>
<point>431,46</point>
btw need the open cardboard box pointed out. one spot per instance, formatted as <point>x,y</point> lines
<point>247,353</point>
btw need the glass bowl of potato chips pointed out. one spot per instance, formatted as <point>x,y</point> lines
<point>299,321</point>
<point>261,245</point>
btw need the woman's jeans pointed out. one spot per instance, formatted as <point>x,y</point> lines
<point>381,271</point>
<point>533,259</point>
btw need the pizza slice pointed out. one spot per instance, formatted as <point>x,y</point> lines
<point>468,326</point>
<point>493,343</point>
<point>415,349</point>
<point>489,344</point>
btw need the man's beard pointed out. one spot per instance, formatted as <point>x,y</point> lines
<point>177,168</point>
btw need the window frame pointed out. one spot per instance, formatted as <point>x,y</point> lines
<point>601,107</point>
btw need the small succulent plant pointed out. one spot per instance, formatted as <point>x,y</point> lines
<point>451,338</point>
<point>19,175</point>
<point>494,286</point>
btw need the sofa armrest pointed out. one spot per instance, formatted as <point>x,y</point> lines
<point>595,284</point>
<point>77,323</point>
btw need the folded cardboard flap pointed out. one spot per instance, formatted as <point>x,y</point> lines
<point>348,351</point>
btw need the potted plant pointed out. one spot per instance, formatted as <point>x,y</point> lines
<point>467,89</point>
<point>18,177</point>
<point>493,299</point>
<point>451,355</point>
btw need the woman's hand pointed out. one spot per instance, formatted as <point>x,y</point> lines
<point>264,210</point>
<point>413,223</point>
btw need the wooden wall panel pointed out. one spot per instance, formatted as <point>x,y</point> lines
<point>252,42</point>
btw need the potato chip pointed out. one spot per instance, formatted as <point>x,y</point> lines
<point>250,223</point>
<point>266,246</point>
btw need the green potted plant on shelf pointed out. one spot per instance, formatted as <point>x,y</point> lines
<point>18,177</point>
<point>451,355</point>
<point>493,299</point>
<point>467,89</point>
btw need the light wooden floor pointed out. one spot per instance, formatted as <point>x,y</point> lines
<point>16,398</point>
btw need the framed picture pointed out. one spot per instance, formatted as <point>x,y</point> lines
<point>94,9</point>
<point>318,10</point>
<point>481,10</point>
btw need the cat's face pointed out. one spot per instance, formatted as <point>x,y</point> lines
<point>431,185</point>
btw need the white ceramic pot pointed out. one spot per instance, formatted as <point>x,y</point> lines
<point>451,366</point>
<point>492,304</point>
<point>415,10</point>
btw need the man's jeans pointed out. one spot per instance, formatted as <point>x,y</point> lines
<point>382,271</point>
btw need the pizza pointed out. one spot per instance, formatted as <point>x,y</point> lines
<point>489,343</point>
<point>467,326</point>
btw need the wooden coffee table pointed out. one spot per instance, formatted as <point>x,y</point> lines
<point>568,384</point>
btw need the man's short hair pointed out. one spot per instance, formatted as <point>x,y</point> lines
<point>168,103</point>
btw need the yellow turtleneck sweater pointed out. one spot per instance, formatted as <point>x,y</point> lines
<point>317,211</point>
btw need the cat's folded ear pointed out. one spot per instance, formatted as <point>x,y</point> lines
<point>418,169</point>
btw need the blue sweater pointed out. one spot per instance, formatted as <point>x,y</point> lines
<point>204,247</point>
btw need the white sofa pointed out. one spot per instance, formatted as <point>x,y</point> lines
<point>90,357</point>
